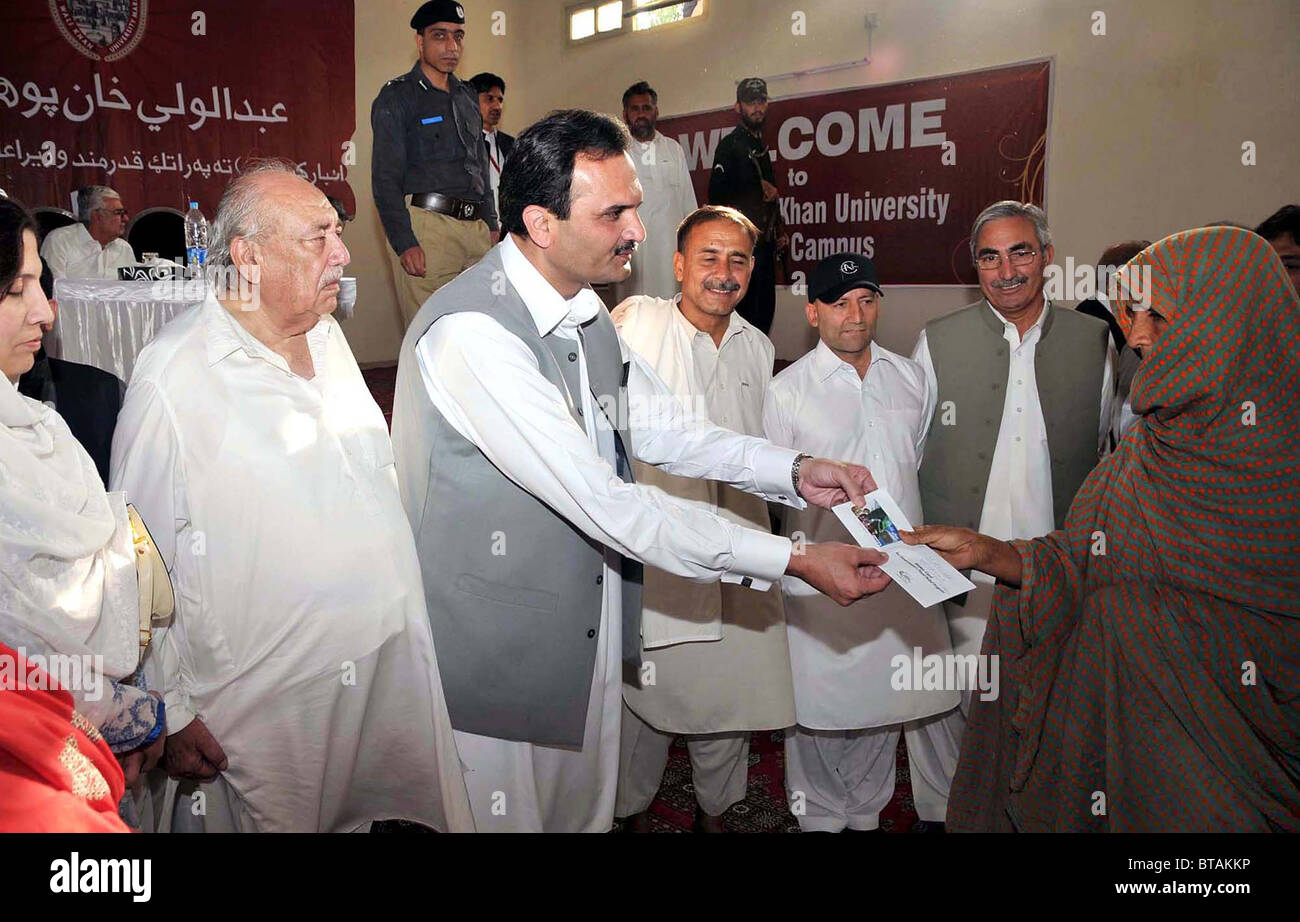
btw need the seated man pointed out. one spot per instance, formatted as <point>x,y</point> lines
<point>95,247</point>
<point>87,397</point>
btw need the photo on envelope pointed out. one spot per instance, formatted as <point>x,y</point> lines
<point>877,522</point>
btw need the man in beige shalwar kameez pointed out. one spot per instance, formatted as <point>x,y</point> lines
<point>716,663</point>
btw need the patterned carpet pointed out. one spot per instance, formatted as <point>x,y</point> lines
<point>764,807</point>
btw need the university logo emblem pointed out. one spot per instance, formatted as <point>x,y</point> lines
<point>102,30</point>
<point>848,267</point>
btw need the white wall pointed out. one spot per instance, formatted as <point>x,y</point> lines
<point>1146,126</point>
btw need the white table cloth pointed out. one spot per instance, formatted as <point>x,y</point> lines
<point>106,323</point>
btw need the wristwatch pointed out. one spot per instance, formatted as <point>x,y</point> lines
<point>794,470</point>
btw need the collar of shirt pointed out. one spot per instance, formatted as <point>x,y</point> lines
<point>224,336</point>
<point>417,73</point>
<point>735,324</point>
<point>1012,335</point>
<point>827,363</point>
<point>549,309</point>
<point>87,242</point>
<point>83,236</point>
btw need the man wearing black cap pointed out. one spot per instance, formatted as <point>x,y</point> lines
<point>858,400</point>
<point>743,178</point>
<point>428,145</point>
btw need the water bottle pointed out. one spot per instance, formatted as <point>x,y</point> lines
<point>196,240</point>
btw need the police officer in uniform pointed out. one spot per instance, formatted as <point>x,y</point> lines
<point>743,178</point>
<point>428,145</point>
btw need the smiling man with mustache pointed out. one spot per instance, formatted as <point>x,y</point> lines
<point>1024,392</point>
<point>721,664</point>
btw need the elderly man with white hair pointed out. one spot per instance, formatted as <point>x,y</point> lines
<point>301,684</point>
<point>95,246</point>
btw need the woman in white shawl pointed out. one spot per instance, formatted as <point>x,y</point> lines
<point>68,575</point>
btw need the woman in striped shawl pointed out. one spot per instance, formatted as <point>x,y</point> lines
<point>1150,650</point>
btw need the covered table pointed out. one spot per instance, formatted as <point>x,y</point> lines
<point>106,323</point>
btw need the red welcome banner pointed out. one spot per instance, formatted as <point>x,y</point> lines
<point>164,101</point>
<point>897,172</point>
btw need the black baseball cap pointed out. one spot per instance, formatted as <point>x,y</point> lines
<point>751,89</point>
<point>837,274</point>
<point>437,11</point>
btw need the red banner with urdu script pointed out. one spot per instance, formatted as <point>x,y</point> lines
<point>897,172</point>
<point>164,100</point>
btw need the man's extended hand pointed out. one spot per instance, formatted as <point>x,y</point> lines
<point>842,572</point>
<point>193,753</point>
<point>829,483</point>
<point>413,261</point>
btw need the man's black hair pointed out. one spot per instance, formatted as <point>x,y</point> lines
<point>487,81</point>
<point>640,88</point>
<point>1286,220</point>
<point>539,170</point>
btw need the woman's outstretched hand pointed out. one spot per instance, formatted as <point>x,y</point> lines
<point>969,550</point>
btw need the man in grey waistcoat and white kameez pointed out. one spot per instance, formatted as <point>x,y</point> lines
<point>1023,407</point>
<point>517,414</point>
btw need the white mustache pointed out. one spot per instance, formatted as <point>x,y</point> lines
<point>1009,283</point>
<point>331,277</point>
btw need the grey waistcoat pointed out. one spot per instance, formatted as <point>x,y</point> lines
<point>970,361</point>
<point>514,591</point>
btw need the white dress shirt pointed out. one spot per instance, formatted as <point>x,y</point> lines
<point>669,197</point>
<point>301,636</point>
<point>71,252</point>
<point>841,657</point>
<point>485,382</point>
<point>1018,500</point>
<point>495,161</point>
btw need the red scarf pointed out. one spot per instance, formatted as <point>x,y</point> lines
<point>56,772</point>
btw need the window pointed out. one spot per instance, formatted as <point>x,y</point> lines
<point>664,13</point>
<point>596,19</point>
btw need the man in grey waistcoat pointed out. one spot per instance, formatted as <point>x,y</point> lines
<point>1024,393</point>
<point>517,414</point>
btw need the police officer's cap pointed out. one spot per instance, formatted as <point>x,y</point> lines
<point>437,11</point>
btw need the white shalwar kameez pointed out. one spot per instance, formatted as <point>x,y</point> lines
<point>840,757</point>
<point>485,382</point>
<point>669,197</point>
<point>301,636</point>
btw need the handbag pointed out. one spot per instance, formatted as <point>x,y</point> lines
<point>157,601</point>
